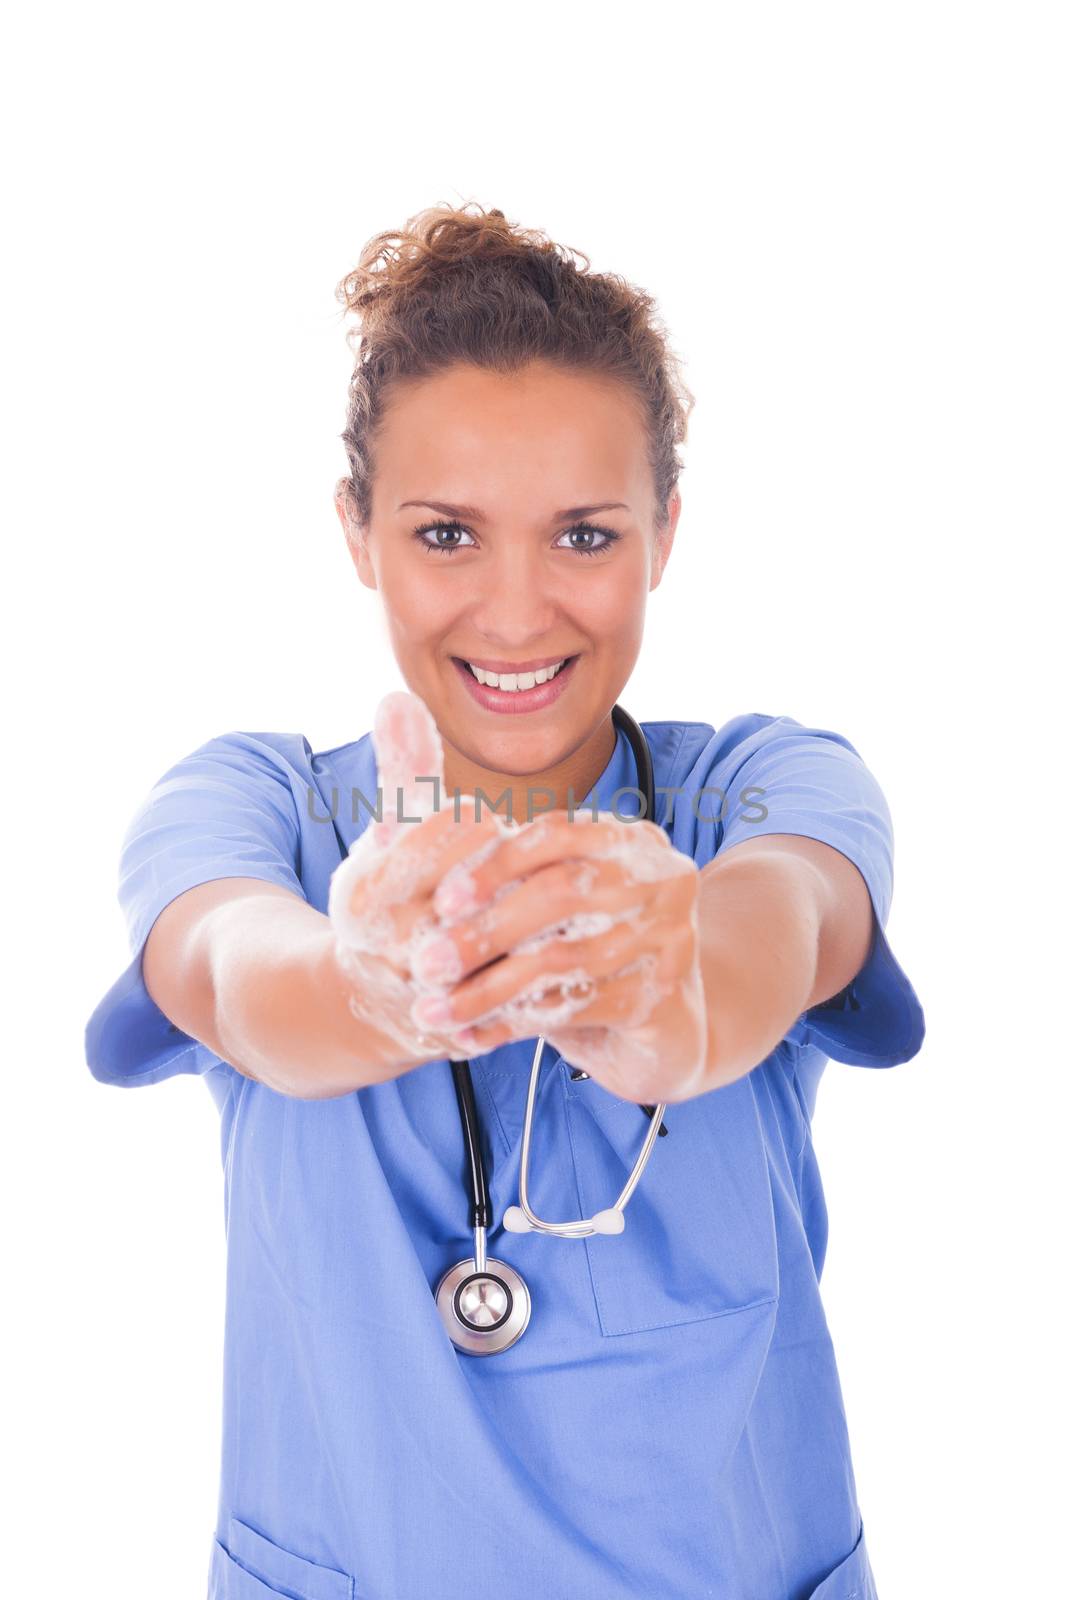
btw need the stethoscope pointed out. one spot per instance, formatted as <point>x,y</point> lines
<point>484,1303</point>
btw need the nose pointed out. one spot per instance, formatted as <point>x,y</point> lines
<point>518,599</point>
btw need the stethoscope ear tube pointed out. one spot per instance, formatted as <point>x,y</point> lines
<point>522,1218</point>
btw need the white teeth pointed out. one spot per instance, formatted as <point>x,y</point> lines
<point>512,682</point>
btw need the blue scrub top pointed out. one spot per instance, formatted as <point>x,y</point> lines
<point>671,1422</point>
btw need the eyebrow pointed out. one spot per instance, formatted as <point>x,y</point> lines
<point>472,514</point>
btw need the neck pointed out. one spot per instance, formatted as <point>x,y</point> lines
<point>567,783</point>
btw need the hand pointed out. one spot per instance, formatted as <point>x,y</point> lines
<point>585,930</point>
<point>380,900</point>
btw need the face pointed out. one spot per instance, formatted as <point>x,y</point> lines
<point>513,529</point>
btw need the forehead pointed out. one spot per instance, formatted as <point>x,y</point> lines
<point>472,435</point>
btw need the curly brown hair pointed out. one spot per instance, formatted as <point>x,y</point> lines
<point>460,284</point>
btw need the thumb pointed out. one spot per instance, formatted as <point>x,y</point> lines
<point>409,756</point>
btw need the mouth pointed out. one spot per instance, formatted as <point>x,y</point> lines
<point>530,690</point>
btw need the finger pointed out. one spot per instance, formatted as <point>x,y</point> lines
<point>546,978</point>
<point>650,957</point>
<point>642,849</point>
<point>410,760</point>
<point>627,1000</point>
<point>570,900</point>
<point>409,756</point>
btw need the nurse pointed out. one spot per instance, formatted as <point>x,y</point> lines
<point>670,1423</point>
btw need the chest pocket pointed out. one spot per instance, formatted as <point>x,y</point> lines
<point>700,1238</point>
<point>249,1566</point>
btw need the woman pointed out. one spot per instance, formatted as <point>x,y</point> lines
<point>669,1422</point>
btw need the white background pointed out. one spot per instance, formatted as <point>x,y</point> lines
<point>851,218</point>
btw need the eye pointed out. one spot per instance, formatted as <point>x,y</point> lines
<point>421,532</point>
<point>591,528</point>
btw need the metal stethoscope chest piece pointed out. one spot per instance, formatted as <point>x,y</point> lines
<point>485,1304</point>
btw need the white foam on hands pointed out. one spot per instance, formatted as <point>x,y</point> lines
<point>380,872</point>
<point>376,879</point>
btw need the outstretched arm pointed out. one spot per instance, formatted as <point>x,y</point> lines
<point>785,922</point>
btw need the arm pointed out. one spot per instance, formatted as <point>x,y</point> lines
<point>248,969</point>
<point>785,922</point>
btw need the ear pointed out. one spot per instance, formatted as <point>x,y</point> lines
<point>355,535</point>
<point>664,539</point>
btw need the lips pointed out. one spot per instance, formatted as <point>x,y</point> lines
<point>517,700</point>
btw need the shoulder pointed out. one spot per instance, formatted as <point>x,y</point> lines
<point>688,754</point>
<point>242,746</point>
<point>719,778</point>
<point>257,756</point>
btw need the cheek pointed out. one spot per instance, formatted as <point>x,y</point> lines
<point>417,607</point>
<point>616,614</point>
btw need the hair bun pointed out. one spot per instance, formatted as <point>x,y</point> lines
<point>395,266</point>
<point>464,284</point>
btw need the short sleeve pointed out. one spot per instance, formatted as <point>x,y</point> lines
<point>788,778</point>
<point>225,811</point>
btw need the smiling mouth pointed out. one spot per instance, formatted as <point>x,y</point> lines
<point>515,682</point>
